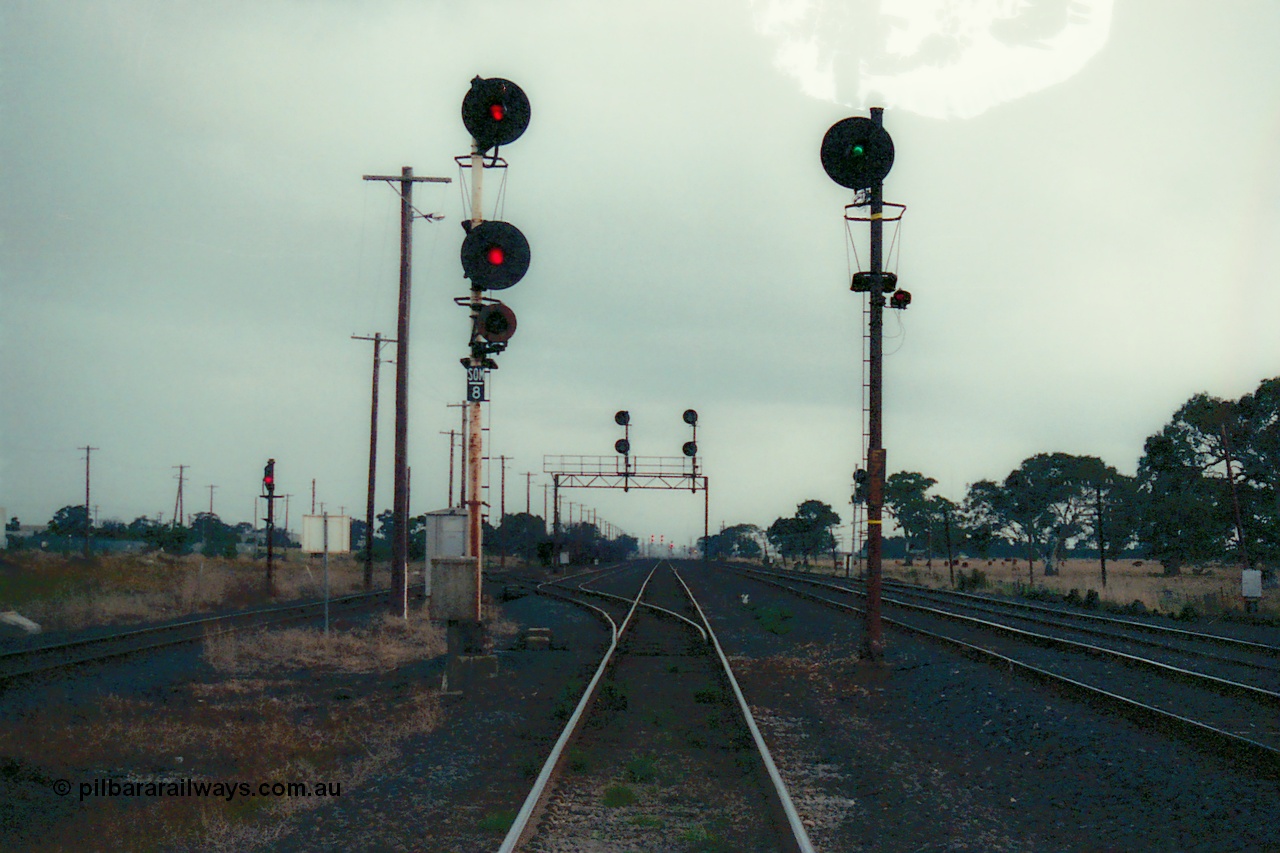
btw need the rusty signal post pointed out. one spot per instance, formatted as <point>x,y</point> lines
<point>495,256</point>
<point>857,153</point>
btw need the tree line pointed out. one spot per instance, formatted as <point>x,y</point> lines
<point>519,534</point>
<point>1207,489</point>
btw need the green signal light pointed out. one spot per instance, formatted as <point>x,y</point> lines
<point>857,151</point>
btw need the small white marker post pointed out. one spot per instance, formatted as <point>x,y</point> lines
<point>325,516</point>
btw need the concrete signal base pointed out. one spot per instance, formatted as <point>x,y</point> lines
<point>455,598</point>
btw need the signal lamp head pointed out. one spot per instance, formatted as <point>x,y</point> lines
<point>857,153</point>
<point>495,112</point>
<point>862,282</point>
<point>690,417</point>
<point>495,255</point>
<point>622,418</point>
<point>496,323</point>
<point>690,448</point>
<point>900,299</point>
<point>622,446</point>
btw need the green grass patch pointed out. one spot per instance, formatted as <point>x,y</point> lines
<point>772,618</point>
<point>641,770</point>
<point>702,840</point>
<point>578,762</point>
<point>499,821</point>
<point>648,821</point>
<point>617,796</point>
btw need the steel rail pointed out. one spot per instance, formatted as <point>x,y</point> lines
<point>1062,619</point>
<point>1244,645</point>
<point>1264,758</point>
<point>251,618</point>
<point>534,802</point>
<point>1221,685</point>
<point>785,803</point>
<point>583,589</point>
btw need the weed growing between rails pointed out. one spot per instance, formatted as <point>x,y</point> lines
<point>67,593</point>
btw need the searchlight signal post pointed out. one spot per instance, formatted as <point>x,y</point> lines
<point>495,255</point>
<point>857,153</point>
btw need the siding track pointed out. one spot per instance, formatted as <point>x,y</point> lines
<point>1224,716</point>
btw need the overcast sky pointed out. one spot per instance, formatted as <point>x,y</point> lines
<point>1092,236</point>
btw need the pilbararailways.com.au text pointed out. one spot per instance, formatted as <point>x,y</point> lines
<point>198,788</point>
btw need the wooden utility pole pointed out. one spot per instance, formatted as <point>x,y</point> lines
<point>400,508</point>
<point>88,517</point>
<point>378,341</point>
<point>179,511</point>
<point>452,434</point>
<point>528,489</point>
<point>462,444</point>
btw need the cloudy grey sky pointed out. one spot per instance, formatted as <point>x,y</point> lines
<point>1092,235</point>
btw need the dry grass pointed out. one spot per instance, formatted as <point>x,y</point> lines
<point>1210,589</point>
<point>62,592</point>
<point>296,706</point>
<point>389,643</point>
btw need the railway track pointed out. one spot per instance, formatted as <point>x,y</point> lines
<point>27,662</point>
<point>1234,718</point>
<point>661,748</point>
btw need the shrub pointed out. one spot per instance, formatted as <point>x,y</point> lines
<point>1073,597</point>
<point>975,579</point>
<point>1039,593</point>
<point>1188,613</point>
<point>1091,599</point>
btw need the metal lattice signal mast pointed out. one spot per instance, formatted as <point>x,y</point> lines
<point>857,153</point>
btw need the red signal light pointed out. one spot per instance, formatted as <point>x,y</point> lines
<point>495,255</point>
<point>497,112</point>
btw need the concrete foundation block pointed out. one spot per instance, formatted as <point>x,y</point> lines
<point>455,590</point>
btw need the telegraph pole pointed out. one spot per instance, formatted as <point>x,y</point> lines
<point>178,508</point>
<point>400,509</point>
<point>378,341</point>
<point>88,517</point>
<point>462,444</point>
<point>528,489</point>
<point>451,433</point>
